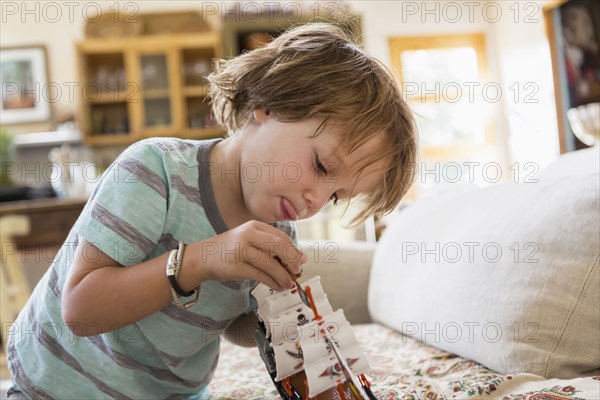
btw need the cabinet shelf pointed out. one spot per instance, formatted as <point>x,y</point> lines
<point>111,97</point>
<point>110,140</point>
<point>195,91</point>
<point>162,87</point>
<point>122,139</point>
<point>152,94</point>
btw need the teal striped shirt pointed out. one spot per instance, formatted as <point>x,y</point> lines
<point>155,194</point>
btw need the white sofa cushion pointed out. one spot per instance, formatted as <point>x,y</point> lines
<point>507,275</point>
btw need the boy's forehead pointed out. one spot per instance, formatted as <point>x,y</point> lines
<point>369,151</point>
<point>366,163</point>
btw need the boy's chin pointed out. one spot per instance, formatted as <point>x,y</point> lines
<point>267,219</point>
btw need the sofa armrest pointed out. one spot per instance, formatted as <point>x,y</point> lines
<point>344,269</point>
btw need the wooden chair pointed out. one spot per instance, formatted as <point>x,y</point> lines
<point>14,288</point>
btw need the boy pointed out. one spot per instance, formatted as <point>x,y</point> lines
<point>312,119</point>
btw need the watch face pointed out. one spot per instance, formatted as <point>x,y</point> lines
<point>171,263</point>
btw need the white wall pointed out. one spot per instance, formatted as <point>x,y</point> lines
<point>524,63</point>
<point>518,52</point>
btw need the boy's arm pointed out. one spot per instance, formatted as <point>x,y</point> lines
<point>241,330</point>
<point>101,293</point>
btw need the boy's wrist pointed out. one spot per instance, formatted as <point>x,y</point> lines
<point>192,272</point>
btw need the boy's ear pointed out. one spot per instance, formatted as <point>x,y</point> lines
<point>261,115</point>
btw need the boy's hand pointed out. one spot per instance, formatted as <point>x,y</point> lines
<point>254,250</point>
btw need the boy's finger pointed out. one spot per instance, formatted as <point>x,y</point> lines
<point>291,263</point>
<point>292,252</point>
<point>265,278</point>
<point>276,270</point>
<point>290,255</point>
<point>274,245</point>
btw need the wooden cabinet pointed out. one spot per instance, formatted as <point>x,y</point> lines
<point>50,220</point>
<point>144,86</point>
<point>244,31</point>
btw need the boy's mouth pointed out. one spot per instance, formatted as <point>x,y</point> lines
<point>288,210</point>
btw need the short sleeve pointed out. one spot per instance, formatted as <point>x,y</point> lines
<point>289,228</point>
<point>126,215</point>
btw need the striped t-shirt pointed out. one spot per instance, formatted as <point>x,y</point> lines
<point>155,194</point>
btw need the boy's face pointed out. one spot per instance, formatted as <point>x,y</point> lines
<point>287,174</point>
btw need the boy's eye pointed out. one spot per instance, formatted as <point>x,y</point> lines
<point>321,168</point>
<point>319,165</point>
<point>334,197</point>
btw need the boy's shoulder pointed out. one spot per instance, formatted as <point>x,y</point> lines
<point>173,152</point>
<point>165,144</point>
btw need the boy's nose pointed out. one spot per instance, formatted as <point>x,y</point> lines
<point>317,197</point>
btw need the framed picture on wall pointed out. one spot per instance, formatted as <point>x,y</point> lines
<point>574,33</point>
<point>24,85</point>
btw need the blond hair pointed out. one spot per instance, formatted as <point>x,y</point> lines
<point>316,71</point>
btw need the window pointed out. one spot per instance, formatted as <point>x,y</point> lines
<point>444,80</point>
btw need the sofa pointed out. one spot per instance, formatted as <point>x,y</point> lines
<point>488,294</point>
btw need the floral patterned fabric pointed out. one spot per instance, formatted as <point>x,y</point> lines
<point>403,368</point>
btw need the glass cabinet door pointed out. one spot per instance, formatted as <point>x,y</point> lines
<point>155,91</point>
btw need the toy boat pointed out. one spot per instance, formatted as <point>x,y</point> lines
<point>309,350</point>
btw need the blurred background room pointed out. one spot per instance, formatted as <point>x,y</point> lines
<point>499,89</point>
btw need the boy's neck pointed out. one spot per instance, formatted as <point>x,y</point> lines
<point>226,184</point>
